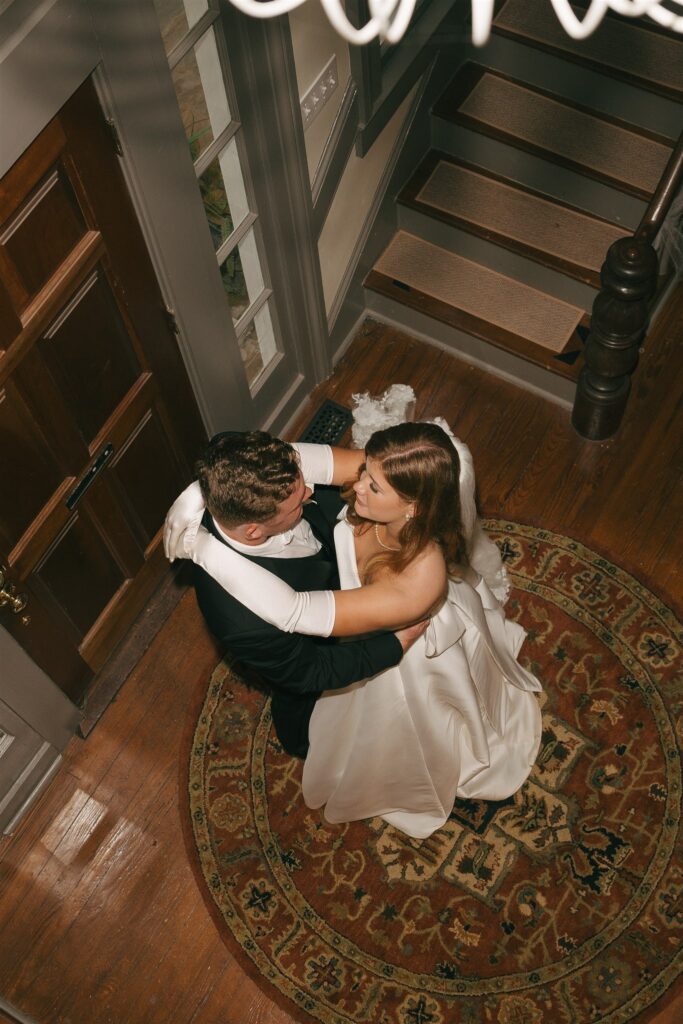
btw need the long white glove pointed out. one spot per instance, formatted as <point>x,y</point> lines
<point>185,514</point>
<point>183,519</point>
<point>310,612</point>
<point>316,461</point>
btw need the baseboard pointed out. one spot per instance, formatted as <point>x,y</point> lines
<point>352,334</point>
<point>662,300</point>
<point>12,1015</point>
<point>37,775</point>
<point>139,637</point>
<point>474,351</point>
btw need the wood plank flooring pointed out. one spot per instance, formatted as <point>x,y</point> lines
<point>101,921</point>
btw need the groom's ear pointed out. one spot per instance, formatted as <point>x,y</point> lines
<point>254,531</point>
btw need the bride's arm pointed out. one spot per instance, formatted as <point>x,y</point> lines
<point>345,464</point>
<point>390,603</point>
<point>393,600</point>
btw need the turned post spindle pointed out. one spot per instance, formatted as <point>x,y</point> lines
<point>618,323</point>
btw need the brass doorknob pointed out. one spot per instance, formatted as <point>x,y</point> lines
<point>17,602</point>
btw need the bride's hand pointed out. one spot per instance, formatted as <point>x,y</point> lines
<point>407,636</point>
<point>182,522</point>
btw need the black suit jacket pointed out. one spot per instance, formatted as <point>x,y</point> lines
<point>296,668</point>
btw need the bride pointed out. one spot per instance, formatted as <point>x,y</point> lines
<point>457,717</point>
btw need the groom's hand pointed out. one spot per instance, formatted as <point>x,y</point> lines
<point>407,637</point>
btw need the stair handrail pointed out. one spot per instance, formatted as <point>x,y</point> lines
<point>620,314</point>
<point>664,194</point>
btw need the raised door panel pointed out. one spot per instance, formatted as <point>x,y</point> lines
<point>78,576</point>
<point>88,369</point>
<point>41,234</point>
<point>10,325</point>
<point>36,202</point>
<point>146,473</point>
<point>90,354</point>
<point>130,271</point>
<point>29,469</point>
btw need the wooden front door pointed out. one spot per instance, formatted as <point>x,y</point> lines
<point>98,424</point>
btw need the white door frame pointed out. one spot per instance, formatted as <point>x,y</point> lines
<point>48,48</point>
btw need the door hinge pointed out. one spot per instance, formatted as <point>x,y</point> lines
<point>114,135</point>
<point>171,320</point>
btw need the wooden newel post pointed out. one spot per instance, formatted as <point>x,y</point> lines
<point>618,323</point>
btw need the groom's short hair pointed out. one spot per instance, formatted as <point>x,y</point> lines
<point>244,476</point>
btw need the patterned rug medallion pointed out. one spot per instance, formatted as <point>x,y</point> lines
<point>561,904</point>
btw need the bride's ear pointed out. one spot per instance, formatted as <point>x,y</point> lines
<point>410,511</point>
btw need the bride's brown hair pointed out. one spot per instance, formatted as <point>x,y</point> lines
<point>422,465</point>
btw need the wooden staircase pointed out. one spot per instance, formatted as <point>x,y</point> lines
<point>544,152</point>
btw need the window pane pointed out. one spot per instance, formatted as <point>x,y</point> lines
<point>215,202</point>
<point>176,18</point>
<point>242,277</point>
<point>257,344</point>
<point>224,174</point>
<point>234,182</point>
<point>266,334</point>
<point>198,81</point>
<point>251,354</point>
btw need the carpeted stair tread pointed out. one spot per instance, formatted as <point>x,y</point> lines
<point>536,226</point>
<point>479,292</point>
<point>646,58</point>
<point>523,117</point>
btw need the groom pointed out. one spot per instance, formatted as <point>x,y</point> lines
<point>258,503</point>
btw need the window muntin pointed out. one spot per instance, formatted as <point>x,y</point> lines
<point>176,18</point>
<point>194,42</point>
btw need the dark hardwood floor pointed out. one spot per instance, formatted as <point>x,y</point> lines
<point>101,921</point>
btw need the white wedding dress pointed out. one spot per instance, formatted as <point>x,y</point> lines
<point>457,717</point>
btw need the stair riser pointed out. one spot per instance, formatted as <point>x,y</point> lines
<point>496,257</point>
<point>473,350</point>
<point>537,173</point>
<point>598,92</point>
<point>625,49</point>
<point>661,300</point>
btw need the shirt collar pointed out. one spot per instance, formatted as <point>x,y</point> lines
<point>273,545</point>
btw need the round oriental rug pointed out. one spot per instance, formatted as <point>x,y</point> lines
<point>562,903</point>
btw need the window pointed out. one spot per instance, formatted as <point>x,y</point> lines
<point>195,46</point>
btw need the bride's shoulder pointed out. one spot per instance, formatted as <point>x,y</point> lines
<point>430,560</point>
<point>426,572</point>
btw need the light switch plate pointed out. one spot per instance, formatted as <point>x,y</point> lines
<point>319,93</point>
